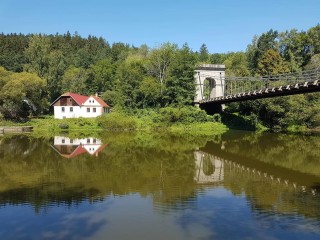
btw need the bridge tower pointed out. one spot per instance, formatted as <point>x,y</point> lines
<point>210,83</point>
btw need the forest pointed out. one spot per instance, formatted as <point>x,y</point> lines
<point>36,68</point>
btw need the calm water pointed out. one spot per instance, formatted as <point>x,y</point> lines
<point>137,186</point>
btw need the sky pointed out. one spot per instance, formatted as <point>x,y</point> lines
<point>223,25</point>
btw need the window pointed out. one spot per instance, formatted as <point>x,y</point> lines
<point>88,140</point>
<point>71,140</point>
<point>88,109</point>
<point>94,140</point>
<point>63,140</point>
<point>92,101</point>
<point>94,109</point>
<point>71,109</point>
<point>62,109</point>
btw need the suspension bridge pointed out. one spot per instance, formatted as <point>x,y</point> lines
<point>213,88</point>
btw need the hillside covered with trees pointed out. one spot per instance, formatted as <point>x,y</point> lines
<point>35,69</point>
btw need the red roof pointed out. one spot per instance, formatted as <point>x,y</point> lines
<point>100,101</point>
<point>81,99</point>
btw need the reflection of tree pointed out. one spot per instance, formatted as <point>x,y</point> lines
<point>293,151</point>
<point>208,167</point>
<point>286,159</point>
<point>129,164</point>
<point>265,194</point>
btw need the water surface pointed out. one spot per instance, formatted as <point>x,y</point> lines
<point>240,185</point>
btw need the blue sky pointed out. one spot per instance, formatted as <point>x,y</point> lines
<point>224,26</point>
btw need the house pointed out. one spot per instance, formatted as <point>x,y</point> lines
<point>72,105</point>
<point>70,148</point>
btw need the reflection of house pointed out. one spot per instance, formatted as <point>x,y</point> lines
<point>70,148</point>
<point>208,168</point>
<point>72,105</point>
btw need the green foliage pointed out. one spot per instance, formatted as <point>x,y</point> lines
<point>116,121</point>
<point>63,126</point>
<point>237,65</point>
<point>203,53</point>
<point>172,115</point>
<point>271,63</point>
<point>180,87</point>
<point>283,112</point>
<point>141,78</point>
<point>203,129</point>
<point>75,80</point>
<point>314,62</point>
<point>19,98</point>
<point>234,121</point>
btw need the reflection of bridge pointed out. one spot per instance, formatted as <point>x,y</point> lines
<point>211,168</point>
<point>214,89</point>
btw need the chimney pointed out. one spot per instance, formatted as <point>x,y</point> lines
<point>97,94</point>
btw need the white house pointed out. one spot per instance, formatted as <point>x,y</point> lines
<point>70,148</point>
<point>72,105</point>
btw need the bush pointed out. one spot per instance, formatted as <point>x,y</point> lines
<point>117,121</point>
<point>184,115</point>
<point>63,126</point>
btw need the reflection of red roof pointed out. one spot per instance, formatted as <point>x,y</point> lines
<point>99,149</point>
<point>78,151</point>
<point>81,99</point>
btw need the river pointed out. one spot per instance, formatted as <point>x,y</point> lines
<point>240,185</point>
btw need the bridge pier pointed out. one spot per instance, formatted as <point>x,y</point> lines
<point>210,81</point>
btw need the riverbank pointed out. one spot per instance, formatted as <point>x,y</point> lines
<point>183,121</point>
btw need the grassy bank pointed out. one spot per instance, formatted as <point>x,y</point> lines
<point>177,121</point>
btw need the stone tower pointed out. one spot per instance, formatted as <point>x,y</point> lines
<point>210,83</point>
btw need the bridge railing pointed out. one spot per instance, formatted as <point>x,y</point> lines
<point>237,85</point>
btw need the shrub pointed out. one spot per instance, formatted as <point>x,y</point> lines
<point>117,121</point>
<point>63,126</point>
<point>183,115</point>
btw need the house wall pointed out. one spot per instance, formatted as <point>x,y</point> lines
<point>77,111</point>
<point>60,140</point>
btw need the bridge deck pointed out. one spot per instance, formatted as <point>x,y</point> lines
<point>284,90</point>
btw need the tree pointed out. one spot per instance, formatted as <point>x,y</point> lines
<point>56,68</point>
<point>180,87</point>
<point>259,46</point>
<point>103,75</point>
<point>314,62</point>
<point>203,53</point>
<point>23,94</point>
<point>237,65</point>
<point>74,80</point>
<point>83,58</point>
<point>314,35</point>
<point>150,90</point>
<point>37,55</point>
<point>295,48</point>
<point>271,63</point>
<point>130,74</point>
<point>159,62</point>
